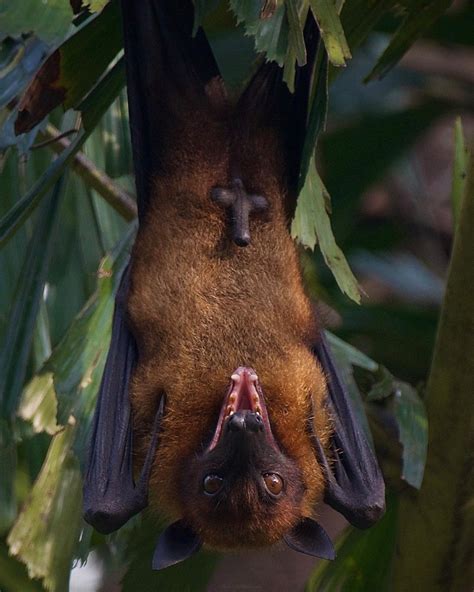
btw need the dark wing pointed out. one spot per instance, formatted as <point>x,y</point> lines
<point>267,101</point>
<point>165,69</point>
<point>111,496</point>
<point>354,483</point>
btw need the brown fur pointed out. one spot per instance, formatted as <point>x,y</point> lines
<point>201,306</point>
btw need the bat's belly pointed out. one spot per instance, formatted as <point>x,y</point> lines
<point>201,302</point>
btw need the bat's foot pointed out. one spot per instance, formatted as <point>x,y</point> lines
<point>240,204</point>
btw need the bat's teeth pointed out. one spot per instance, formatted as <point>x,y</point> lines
<point>232,397</point>
<point>258,410</point>
<point>235,377</point>
<point>253,378</point>
<point>229,410</point>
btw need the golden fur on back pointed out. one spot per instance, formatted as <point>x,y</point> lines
<point>200,306</point>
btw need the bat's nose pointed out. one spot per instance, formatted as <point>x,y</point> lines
<point>245,420</point>
<point>242,239</point>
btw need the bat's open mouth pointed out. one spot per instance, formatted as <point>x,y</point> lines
<point>244,394</point>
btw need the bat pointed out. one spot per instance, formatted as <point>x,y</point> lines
<point>220,404</point>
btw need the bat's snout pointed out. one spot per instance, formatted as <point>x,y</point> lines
<point>245,421</point>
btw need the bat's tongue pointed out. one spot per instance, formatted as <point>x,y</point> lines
<point>244,394</point>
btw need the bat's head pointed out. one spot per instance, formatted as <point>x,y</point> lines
<point>243,490</point>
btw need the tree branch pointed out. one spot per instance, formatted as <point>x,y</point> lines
<point>122,201</point>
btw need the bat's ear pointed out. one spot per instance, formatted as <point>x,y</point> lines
<point>354,482</point>
<point>177,543</point>
<point>310,538</point>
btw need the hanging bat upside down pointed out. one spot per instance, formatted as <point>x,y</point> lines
<point>220,400</point>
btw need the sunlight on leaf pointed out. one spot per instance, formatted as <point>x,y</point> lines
<point>39,405</point>
<point>326,16</point>
<point>45,533</point>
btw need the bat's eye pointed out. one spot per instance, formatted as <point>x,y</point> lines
<point>273,482</point>
<point>212,484</point>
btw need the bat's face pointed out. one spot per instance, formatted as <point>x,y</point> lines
<point>243,490</point>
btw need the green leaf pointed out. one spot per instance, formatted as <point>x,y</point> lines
<point>49,20</point>
<point>461,160</point>
<point>38,404</point>
<point>22,317</point>
<point>421,15</point>
<point>330,26</point>
<point>317,113</point>
<point>92,108</point>
<point>354,356</point>
<point>76,367</point>
<point>270,34</point>
<point>72,70</point>
<point>311,225</point>
<point>363,559</point>
<point>359,18</point>
<point>96,5</point>
<point>13,576</point>
<point>8,462</point>
<point>77,362</point>
<point>413,432</point>
<point>44,535</point>
<point>346,356</point>
<point>410,417</point>
<point>383,386</point>
<point>296,38</point>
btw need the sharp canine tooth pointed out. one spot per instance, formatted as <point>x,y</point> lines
<point>235,377</point>
<point>253,378</point>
